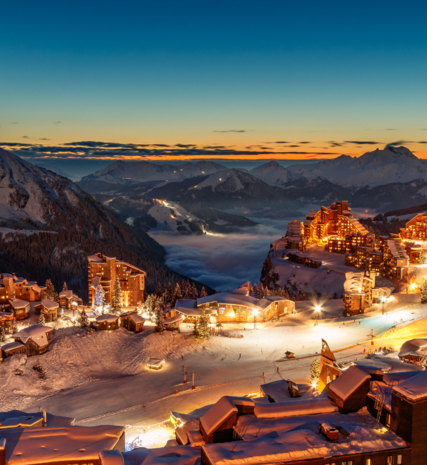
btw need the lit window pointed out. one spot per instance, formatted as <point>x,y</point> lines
<point>399,460</point>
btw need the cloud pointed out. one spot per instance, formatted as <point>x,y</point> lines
<point>15,144</point>
<point>398,143</point>
<point>25,137</point>
<point>304,142</point>
<point>14,122</point>
<point>335,144</point>
<point>233,130</point>
<point>391,129</point>
<point>57,122</point>
<point>362,142</point>
<point>44,138</point>
<point>422,142</point>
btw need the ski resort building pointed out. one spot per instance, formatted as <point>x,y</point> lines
<point>48,308</point>
<point>104,270</point>
<point>358,292</point>
<point>415,229</point>
<point>14,287</point>
<point>33,340</point>
<point>236,306</point>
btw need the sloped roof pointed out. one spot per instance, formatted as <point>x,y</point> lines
<point>295,407</point>
<point>348,382</point>
<point>50,304</point>
<point>107,317</point>
<point>136,318</point>
<point>18,303</point>
<point>36,332</point>
<point>414,388</point>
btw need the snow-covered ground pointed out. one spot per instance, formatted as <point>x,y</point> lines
<point>102,378</point>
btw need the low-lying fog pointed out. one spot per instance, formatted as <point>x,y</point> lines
<point>222,261</point>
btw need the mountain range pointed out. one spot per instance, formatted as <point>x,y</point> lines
<point>48,226</point>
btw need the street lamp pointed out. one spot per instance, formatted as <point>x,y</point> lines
<point>318,309</point>
<point>383,300</point>
<point>255,313</point>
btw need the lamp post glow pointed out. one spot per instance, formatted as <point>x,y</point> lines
<point>383,300</point>
<point>318,309</point>
<point>255,313</point>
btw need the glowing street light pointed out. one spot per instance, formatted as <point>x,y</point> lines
<point>255,313</point>
<point>318,309</point>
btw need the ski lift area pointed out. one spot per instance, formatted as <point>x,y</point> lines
<point>155,363</point>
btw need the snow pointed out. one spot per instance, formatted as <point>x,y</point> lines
<point>217,414</point>
<point>348,382</point>
<point>177,455</point>
<point>70,444</point>
<point>272,173</point>
<point>289,440</point>
<point>107,317</point>
<point>49,304</point>
<point>35,332</point>
<point>170,215</point>
<point>219,178</point>
<point>195,438</point>
<point>394,378</point>
<point>295,407</point>
<point>111,457</point>
<point>18,303</point>
<point>414,388</point>
<point>416,347</point>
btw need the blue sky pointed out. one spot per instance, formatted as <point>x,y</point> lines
<point>189,72</point>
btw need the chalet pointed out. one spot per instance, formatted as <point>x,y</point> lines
<point>14,287</point>
<point>414,351</point>
<point>106,322</point>
<point>12,348</point>
<point>350,389</point>
<point>67,299</point>
<point>20,308</point>
<point>104,270</point>
<point>172,319</point>
<point>48,308</point>
<point>36,339</point>
<point>237,306</point>
<point>132,321</point>
<point>6,321</point>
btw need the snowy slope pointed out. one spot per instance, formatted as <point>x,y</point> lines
<point>229,180</point>
<point>173,218</point>
<point>143,171</point>
<point>393,164</point>
<point>272,173</point>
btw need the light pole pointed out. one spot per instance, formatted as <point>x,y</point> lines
<point>255,313</point>
<point>318,309</point>
<point>383,300</point>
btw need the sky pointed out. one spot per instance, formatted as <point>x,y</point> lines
<point>238,79</point>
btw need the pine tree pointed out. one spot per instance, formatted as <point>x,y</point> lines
<point>159,290</point>
<point>50,290</point>
<point>42,319</point>
<point>149,304</point>
<point>99,299</point>
<point>203,332</point>
<point>160,316</point>
<point>194,293</point>
<point>169,294</point>
<point>177,295</point>
<point>314,371</point>
<point>203,292</point>
<point>421,258</point>
<point>84,319</point>
<point>64,287</point>
<point>269,277</point>
<point>423,298</point>
<point>117,301</point>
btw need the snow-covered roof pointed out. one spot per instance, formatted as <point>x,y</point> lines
<point>221,411</point>
<point>21,421</point>
<point>277,390</point>
<point>414,388</point>
<point>173,319</point>
<point>10,346</point>
<point>66,444</point>
<point>348,382</point>
<point>417,347</point>
<point>111,457</point>
<point>236,297</point>
<point>298,439</point>
<point>36,332</point>
<point>395,378</point>
<point>107,317</point>
<point>136,318</point>
<point>47,303</point>
<point>68,294</point>
<point>176,455</point>
<point>18,303</point>
<point>295,407</point>
<point>51,420</point>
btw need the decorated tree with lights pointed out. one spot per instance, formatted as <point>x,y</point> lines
<point>160,316</point>
<point>423,298</point>
<point>42,319</point>
<point>50,290</point>
<point>99,299</point>
<point>203,292</point>
<point>314,371</point>
<point>203,332</point>
<point>84,321</point>
<point>117,300</point>
<point>422,258</point>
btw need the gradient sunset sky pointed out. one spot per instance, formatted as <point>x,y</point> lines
<point>221,78</point>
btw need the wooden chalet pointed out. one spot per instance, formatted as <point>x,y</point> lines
<point>349,391</point>
<point>67,299</point>
<point>48,308</point>
<point>20,308</point>
<point>172,319</point>
<point>414,352</point>
<point>14,287</point>
<point>216,425</point>
<point>12,348</point>
<point>132,321</point>
<point>6,321</point>
<point>106,322</point>
<point>36,339</point>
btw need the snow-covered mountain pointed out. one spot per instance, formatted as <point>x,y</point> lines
<point>122,172</point>
<point>33,198</point>
<point>390,165</point>
<point>272,173</point>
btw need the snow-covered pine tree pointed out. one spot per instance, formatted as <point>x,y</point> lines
<point>203,292</point>
<point>203,325</point>
<point>423,298</point>
<point>117,300</point>
<point>149,305</point>
<point>169,294</point>
<point>84,322</point>
<point>99,299</point>
<point>177,295</point>
<point>314,371</point>
<point>421,258</point>
<point>269,277</point>
<point>42,319</point>
<point>255,290</point>
<point>160,316</point>
<point>50,290</point>
<point>64,287</point>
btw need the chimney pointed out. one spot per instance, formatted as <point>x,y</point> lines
<point>44,419</point>
<point>2,451</point>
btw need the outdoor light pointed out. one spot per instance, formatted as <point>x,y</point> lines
<point>317,308</point>
<point>255,312</point>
